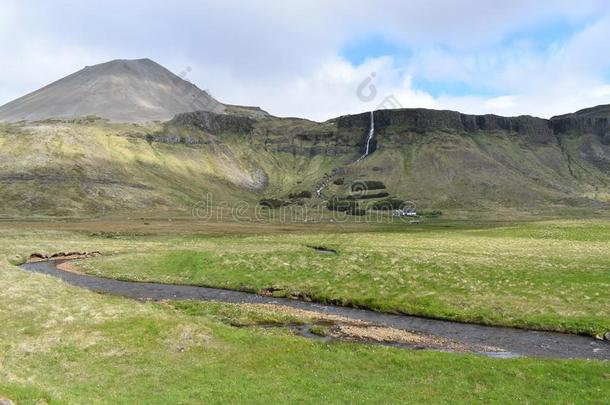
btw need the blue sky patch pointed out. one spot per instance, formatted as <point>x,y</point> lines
<point>438,88</point>
<point>545,33</point>
<point>358,51</point>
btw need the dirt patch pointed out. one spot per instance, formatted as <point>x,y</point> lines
<point>382,334</point>
<point>343,328</point>
<point>310,316</point>
<point>268,292</point>
<point>69,267</point>
<point>41,257</point>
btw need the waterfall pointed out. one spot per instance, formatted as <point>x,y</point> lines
<point>367,150</point>
<point>369,138</point>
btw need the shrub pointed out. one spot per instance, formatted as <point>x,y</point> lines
<point>300,194</point>
<point>370,196</point>
<point>365,185</point>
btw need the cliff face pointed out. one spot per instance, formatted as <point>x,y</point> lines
<point>295,136</point>
<point>347,134</point>
<point>594,120</point>
<point>421,120</point>
<point>212,123</point>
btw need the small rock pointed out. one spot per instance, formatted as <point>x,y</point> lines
<point>4,401</point>
<point>607,336</point>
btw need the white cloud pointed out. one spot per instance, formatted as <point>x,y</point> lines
<point>284,56</point>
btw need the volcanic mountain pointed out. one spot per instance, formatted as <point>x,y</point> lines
<point>121,91</point>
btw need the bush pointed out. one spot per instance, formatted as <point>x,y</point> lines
<point>365,185</point>
<point>300,194</point>
<point>370,196</point>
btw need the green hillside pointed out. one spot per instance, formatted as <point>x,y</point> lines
<point>439,160</point>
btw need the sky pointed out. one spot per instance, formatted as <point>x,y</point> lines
<point>321,59</point>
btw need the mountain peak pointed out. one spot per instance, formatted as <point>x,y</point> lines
<point>120,90</point>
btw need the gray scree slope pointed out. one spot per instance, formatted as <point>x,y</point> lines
<point>121,91</point>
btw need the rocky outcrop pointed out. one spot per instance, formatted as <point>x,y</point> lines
<point>594,120</point>
<point>173,139</point>
<point>40,257</point>
<point>536,129</point>
<point>212,123</point>
<point>347,134</point>
<point>420,120</point>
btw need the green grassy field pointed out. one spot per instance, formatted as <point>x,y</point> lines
<point>61,344</point>
<point>549,275</point>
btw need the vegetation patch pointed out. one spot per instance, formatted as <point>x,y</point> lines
<point>300,194</point>
<point>363,185</point>
<point>371,196</point>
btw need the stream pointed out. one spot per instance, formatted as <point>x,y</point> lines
<point>512,342</point>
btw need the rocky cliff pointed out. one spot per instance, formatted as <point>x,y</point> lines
<point>594,120</point>
<point>347,134</point>
<point>421,120</point>
<point>212,123</point>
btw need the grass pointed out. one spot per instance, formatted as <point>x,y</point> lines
<point>61,344</point>
<point>548,276</point>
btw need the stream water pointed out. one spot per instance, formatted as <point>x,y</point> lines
<point>513,342</point>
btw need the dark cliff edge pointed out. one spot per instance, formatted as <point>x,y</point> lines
<point>212,123</point>
<point>347,134</point>
<point>589,121</point>
<point>594,120</point>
